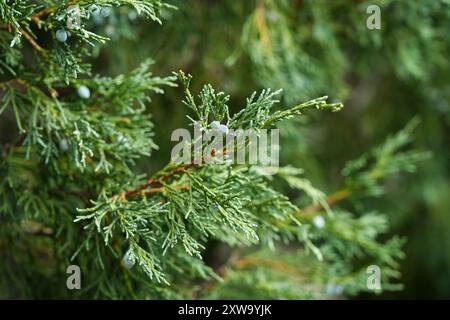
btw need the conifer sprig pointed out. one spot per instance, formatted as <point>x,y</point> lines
<point>71,191</point>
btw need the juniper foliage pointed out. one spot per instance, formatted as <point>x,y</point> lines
<point>71,191</point>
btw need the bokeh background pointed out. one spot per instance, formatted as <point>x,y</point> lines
<point>384,78</point>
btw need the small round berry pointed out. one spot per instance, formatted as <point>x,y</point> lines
<point>319,222</point>
<point>64,145</point>
<point>121,139</point>
<point>98,20</point>
<point>94,10</point>
<point>132,15</point>
<point>109,30</point>
<point>127,261</point>
<point>61,35</point>
<point>333,289</point>
<point>105,12</point>
<point>84,92</point>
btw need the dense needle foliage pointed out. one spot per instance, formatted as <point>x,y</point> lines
<point>86,116</point>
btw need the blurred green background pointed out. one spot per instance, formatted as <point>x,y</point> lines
<point>384,78</point>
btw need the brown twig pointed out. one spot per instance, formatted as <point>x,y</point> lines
<point>330,200</point>
<point>23,85</point>
<point>33,42</point>
<point>18,82</point>
<point>6,26</point>
<point>5,150</point>
<point>40,14</point>
<point>37,229</point>
<point>27,37</point>
<point>161,189</point>
<point>262,27</point>
<point>142,189</point>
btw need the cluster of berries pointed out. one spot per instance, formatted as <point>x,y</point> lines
<point>62,34</point>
